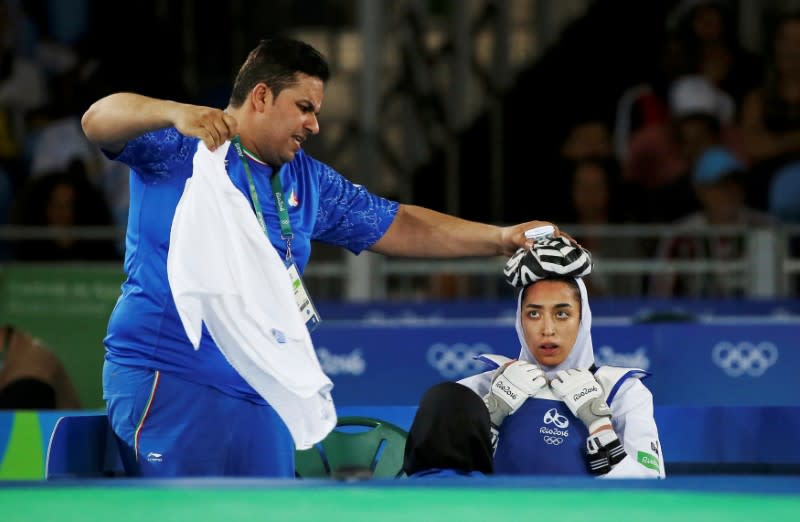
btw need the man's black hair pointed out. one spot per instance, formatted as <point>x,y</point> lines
<point>276,62</point>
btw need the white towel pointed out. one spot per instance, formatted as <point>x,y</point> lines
<point>224,272</point>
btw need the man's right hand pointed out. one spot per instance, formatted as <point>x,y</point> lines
<point>512,384</point>
<point>213,126</point>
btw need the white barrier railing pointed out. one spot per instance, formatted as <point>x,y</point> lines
<point>768,263</point>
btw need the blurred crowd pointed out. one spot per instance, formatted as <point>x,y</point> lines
<point>50,175</point>
<point>711,138</point>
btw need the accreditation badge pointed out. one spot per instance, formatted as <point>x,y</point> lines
<point>301,297</point>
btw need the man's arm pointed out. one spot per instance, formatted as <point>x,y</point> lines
<point>421,232</point>
<point>114,120</point>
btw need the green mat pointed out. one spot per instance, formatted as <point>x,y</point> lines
<point>393,504</point>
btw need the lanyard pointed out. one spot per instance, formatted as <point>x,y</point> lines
<point>277,194</point>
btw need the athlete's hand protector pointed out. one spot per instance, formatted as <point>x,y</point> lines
<point>583,395</point>
<point>548,257</point>
<point>603,451</point>
<point>512,383</point>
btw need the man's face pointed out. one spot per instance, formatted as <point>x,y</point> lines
<point>289,119</point>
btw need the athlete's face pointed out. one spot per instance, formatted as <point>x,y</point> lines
<point>550,315</point>
<point>288,119</point>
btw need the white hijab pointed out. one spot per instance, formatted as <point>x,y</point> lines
<point>582,354</point>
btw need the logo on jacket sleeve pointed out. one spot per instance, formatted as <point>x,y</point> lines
<point>648,461</point>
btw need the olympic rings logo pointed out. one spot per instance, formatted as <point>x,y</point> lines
<point>457,360</point>
<point>552,416</point>
<point>553,441</point>
<point>744,358</point>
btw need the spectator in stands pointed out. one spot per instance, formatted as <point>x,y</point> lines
<point>710,32</point>
<point>56,139</point>
<point>31,375</point>
<point>552,411</point>
<point>57,143</point>
<point>61,200</point>
<point>784,205</point>
<point>646,104</point>
<point>784,194</point>
<point>716,179</point>
<point>771,113</point>
<point>700,116</point>
<point>22,89</point>
<point>599,197</point>
<point>661,157</point>
<point>587,138</point>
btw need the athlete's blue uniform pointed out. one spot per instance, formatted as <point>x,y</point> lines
<point>151,368</point>
<point>543,437</point>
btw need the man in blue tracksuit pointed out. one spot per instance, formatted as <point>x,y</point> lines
<point>178,412</point>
